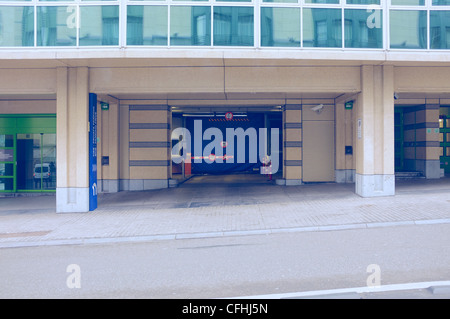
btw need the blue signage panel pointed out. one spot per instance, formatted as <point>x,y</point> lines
<point>92,151</point>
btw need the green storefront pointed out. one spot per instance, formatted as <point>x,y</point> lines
<point>28,153</point>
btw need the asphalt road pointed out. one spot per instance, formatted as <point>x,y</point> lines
<point>232,266</point>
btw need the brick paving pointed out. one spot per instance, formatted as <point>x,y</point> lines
<point>210,206</point>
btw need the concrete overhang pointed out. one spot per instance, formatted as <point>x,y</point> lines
<point>207,57</point>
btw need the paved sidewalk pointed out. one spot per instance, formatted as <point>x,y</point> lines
<point>208,207</point>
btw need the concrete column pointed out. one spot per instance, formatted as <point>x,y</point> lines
<point>124,147</point>
<point>409,138</point>
<point>345,172</point>
<point>149,146</point>
<point>110,146</point>
<point>375,133</point>
<point>72,115</point>
<point>427,140</point>
<point>292,135</point>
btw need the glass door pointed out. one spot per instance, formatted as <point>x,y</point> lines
<point>36,169</point>
<point>7,163</point>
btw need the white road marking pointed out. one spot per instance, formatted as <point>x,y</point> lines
<point>358,290</point>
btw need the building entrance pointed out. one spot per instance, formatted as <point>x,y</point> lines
<point>227,143</point>
<point>27,153</point>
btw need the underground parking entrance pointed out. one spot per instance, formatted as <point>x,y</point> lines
<point>230,146</point>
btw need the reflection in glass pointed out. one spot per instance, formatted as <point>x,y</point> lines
<point>363,1</point>
<point>6,140</point>
<point>16,26</point>
<point>147,25</point>
<point>322,27</point>
<point>190,25</point>
<point>280,27</point>
<point>323,1</point>
<point>363,29</point>
<point>6,155</point>
<point>440,29</point>
<point>99,25</point>
<point>6,184</point>
<point>233,26</point>
<point>408,29</point>
<point>441,2</point>
<point>408,2</point>
<point>281,1</point>
<point>6,169</point>
<point>56,26</point>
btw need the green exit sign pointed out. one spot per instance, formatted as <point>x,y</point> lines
<point>349,105</point>
<point>104,105</point>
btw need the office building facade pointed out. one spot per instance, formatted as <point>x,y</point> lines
<point>358,89</point>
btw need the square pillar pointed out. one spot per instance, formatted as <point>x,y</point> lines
<point>72,120</point>
<point>344,172</point>
<point>108,162</point>
<point>292,148</point>
<point>375,133</point>
<point>427,140</point>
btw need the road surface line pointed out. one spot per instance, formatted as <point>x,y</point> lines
<point>359,290</point>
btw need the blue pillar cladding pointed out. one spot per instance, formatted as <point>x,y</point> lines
<point>92,151</point>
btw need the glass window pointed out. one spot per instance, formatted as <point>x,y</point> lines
<point>147,25</point>
<point>408,29</point>
<point>363,1</point>
<point>363,29</point>
<point>6,169</point>
<point>6,184</point>
<point>280,27</point>
<point>233,26</point>
<point>190,25</point>
<point>56,26</point>
<point>16,26</point>
<point>6,140</point>
<point>322,27</point>
<point>99,25</point>
<point>281,1</point>
<point>6,155</point>
<point>440,29</point>
<point>441,2</point>
<point>323,1</point>
<point>408,2</point>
